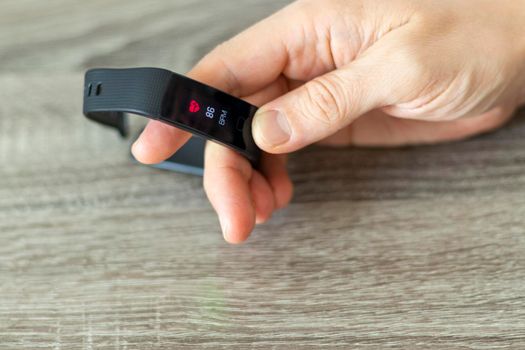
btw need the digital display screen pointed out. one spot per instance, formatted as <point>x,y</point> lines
<point>209,112</point>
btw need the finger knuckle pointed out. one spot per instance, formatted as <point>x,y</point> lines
<point>325,101</point>
<point>413,57</point>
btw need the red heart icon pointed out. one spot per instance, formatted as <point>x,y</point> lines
<point>194,106</point>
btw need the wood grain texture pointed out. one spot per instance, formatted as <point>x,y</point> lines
<point>415,248</point>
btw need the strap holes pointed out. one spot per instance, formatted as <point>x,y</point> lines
<point>98,90</point>
<point>89,89</point>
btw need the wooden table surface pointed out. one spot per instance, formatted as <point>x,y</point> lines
<point>415,248</point>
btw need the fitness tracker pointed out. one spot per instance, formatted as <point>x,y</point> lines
<point>173,99</point>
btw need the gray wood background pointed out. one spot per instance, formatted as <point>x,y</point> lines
<point>416,248</point>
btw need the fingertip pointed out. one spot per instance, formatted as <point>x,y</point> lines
<point>142,153</point>
<point>158,142</point>
<point>137,150</point>
<point>271,131</point>
<point>236,232</point>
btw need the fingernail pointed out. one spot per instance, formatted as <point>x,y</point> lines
<point>135,148</point>
<point>272,128</point>
<point>224,227</point>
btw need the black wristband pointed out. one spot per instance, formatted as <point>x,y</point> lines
<point>173,99</point>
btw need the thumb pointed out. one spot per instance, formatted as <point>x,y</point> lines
<point>329,103</point>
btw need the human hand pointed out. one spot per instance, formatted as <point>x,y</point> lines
<point>353,72</point>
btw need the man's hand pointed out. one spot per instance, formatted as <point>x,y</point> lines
<point>353,72</point>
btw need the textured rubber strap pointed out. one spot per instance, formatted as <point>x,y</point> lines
<point>109,93</point>
<point>151,92</point>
